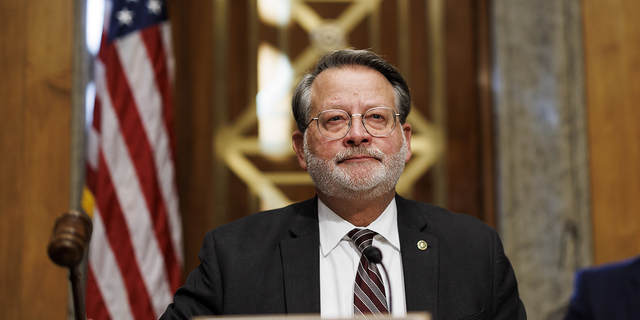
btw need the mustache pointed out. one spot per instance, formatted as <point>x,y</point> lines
<point>361,150</point>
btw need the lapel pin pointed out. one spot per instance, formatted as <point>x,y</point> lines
<point>422,245</point>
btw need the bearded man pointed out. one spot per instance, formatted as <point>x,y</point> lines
<point>308,257</point>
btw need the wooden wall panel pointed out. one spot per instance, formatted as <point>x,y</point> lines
<point>35,104</point>
<point>192,26</point>
<point>612,55</point>
<point>11,111</point>
<point>464,161</point>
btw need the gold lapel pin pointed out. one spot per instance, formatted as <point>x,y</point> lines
<point>422,245</point>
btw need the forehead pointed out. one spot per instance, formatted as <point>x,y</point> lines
<point>351,87</point>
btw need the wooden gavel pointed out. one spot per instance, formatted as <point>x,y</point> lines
<point>67,245</point>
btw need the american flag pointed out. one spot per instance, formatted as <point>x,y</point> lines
<point>135,255</point>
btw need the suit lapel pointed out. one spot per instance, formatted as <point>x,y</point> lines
<point>420,266</point>
<point>301,261</point>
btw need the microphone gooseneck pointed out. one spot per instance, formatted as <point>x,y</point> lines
<point>374,255</point>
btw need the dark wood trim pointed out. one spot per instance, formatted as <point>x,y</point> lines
<point>487,132</point>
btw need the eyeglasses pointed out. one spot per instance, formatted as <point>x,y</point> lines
<point>335,124</point>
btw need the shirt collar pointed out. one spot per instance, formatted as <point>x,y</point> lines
<point>333,228</point>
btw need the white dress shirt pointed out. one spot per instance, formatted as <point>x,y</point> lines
<point>339,259</point>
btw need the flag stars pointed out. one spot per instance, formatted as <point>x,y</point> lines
<point>132,15</point>
<point>154,7</point>
<point>125,16</point>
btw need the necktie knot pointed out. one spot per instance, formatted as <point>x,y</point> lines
<point>362,238</point>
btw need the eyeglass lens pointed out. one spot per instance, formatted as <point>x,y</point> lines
<point>335,124</point>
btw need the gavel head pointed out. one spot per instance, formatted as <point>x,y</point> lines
<point>69,238</point>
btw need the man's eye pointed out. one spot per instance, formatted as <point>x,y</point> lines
<point>375,116</point>
<point>336,119</point>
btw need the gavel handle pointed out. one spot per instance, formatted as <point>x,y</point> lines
<point>76,289</point>
<point>68,243</point>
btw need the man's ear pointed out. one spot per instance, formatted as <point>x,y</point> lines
<point>298,147</point>
<point>406,131</point>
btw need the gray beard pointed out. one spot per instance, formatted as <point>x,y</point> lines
<point>345,183</point>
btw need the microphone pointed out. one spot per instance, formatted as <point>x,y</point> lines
<point>374,255</point>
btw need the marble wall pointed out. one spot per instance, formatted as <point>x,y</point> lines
<point>539,105</point>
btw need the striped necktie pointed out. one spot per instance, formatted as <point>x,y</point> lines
<point>368,292</point>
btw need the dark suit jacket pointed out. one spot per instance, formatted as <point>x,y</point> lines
<point>607,292</point>
<point>268,263</point>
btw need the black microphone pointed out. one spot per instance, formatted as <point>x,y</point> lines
<point>374,255</point>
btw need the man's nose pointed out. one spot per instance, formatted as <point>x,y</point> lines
<point>358,133</point>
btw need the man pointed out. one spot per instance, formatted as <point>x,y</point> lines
<point>607,292</point>
<point>353,140</point>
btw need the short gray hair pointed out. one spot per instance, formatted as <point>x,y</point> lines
<point>301,101</point>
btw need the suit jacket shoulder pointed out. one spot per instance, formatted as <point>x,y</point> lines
<point>439,220</point>
<point>269,226</point>
<point>611,291</point>
<point>463,273</point>
<point>247,265</point>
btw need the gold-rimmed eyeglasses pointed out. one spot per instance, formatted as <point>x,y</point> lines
<point>335,124</point>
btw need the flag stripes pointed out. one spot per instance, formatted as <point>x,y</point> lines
<point>97,306</point>
<point>135,257</point>
<point>105,279</point>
